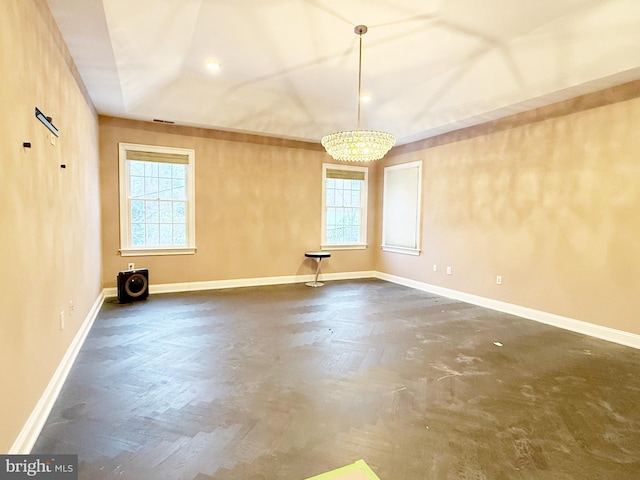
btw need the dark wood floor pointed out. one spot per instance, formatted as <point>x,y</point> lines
<point>286,382</point>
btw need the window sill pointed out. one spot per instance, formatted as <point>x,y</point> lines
<point>142,252</point>
<point>344,246</point>
<point>403,250</point>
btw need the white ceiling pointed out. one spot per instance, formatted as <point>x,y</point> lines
<point>290,67</point>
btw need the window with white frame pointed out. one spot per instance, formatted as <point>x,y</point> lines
<point>157,200</point>
<point>344,206</point>
<point>401,208</point>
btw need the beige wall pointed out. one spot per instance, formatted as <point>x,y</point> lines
<point>49,216</point>
<point>550,200</point>
<point>258,206</point>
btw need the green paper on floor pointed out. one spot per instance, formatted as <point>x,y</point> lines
<point>356,471</point>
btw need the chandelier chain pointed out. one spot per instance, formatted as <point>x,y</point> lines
<point>359,78</point>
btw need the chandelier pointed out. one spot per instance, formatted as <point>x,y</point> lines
<point>358,145</point>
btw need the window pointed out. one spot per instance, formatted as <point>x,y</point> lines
<point>157,207</point>
<point>401,208</point>
<point>344,206</point>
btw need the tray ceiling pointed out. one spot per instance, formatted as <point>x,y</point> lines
<point>289,67</point>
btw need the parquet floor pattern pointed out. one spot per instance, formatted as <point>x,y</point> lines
<point>286,382</point>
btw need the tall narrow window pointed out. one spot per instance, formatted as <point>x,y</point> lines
<point>401,208</point>
<point>157,207</point>
<point>344,201</point>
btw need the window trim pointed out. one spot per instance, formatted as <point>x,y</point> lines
<point>418,209</point>
<point>126,249</point>
<point>362,243</point>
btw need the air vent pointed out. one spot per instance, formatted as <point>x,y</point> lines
<point>167,122</point>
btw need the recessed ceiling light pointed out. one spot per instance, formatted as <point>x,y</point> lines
<point>365,97</point>
<point>213,65</point>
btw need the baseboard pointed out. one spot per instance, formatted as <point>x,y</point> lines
<point>246,282</point>
<point>33,426</point>
<point>566,323</point>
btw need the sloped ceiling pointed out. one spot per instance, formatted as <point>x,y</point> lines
<point>290,67</point>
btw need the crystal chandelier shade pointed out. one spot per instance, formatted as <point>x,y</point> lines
<point>358,145</point>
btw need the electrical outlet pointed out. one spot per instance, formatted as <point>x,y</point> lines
<point>53,139</point>
<point>62,320</point>
<point>70,308</point>
<point>131,266</point>
<point>435,267</point>
<point>448,270</point>
<point>499,279</point>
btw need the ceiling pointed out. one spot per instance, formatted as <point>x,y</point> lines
<point>290,67</point>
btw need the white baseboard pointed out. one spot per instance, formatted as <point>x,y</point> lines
<point>246,282</point>
<point>566,323</point>
<point>33,426</point>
